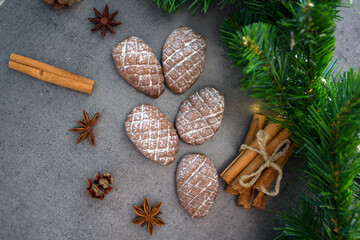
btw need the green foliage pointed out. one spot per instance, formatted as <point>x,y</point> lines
<point>172,6</point>
<point>304,46</point>
<point>251,51</point>
<point>267,11</point>
<point>285,61</point>
<point>331,206</point>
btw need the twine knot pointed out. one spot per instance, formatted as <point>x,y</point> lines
<point>269,161</point>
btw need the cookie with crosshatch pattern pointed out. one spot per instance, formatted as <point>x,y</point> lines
<point>183,59</point>
<point>197,184</point>
<point>152,134</point>
<point>138,65</point>
<point>200,116</point>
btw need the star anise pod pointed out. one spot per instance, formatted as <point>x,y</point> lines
<point>148,215</point>
<point>101,185</point>
<point>86,128</point>
<point>104,21</point>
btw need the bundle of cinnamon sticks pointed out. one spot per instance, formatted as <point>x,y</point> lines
<point>248,162</point>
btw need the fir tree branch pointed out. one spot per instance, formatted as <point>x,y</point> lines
<point>172,6</point>
<point>248,12</point>
<point>357,185</point>
<point>293,86</point>
<point>332,162</point>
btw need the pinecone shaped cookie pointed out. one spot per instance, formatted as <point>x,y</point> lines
<point>152,134</point>
<point>197,184</point>
<point>61,3</point>
<point>183,59</point>
<point>200,116</point>
<point>137,64</point>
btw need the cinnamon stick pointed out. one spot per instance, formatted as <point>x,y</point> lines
<point>240,163</point>
<point>257,123</point>
<point>260,201</point>
<point>231,190</point>
<point>50,74</point>
<point>245,198</point>
<point>259,160</point>
<point>268,177</point>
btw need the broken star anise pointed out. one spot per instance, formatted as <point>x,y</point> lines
<point>148,215</point>
<point>101,185</point>
<point>104,21</point>
<point>86,127</point>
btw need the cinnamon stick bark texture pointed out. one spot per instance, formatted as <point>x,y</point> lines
<point>50,74</point>
<point>257,123</point>
<point>231,190</point>
<point>245,198</point>
<point>233,171</point>
<point>259,160</point>
<point>268,177</point>
<point>260,201</point>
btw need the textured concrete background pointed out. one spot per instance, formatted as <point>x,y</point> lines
<point>43,172</point>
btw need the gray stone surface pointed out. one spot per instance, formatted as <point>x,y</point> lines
<point>43,172</point>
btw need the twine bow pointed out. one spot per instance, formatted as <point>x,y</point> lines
<point>262,137</point>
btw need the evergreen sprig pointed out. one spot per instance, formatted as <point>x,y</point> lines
<point>322,111</point>
<point>332,162</point>
<point>172,6</point>
<point>202,6</point>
